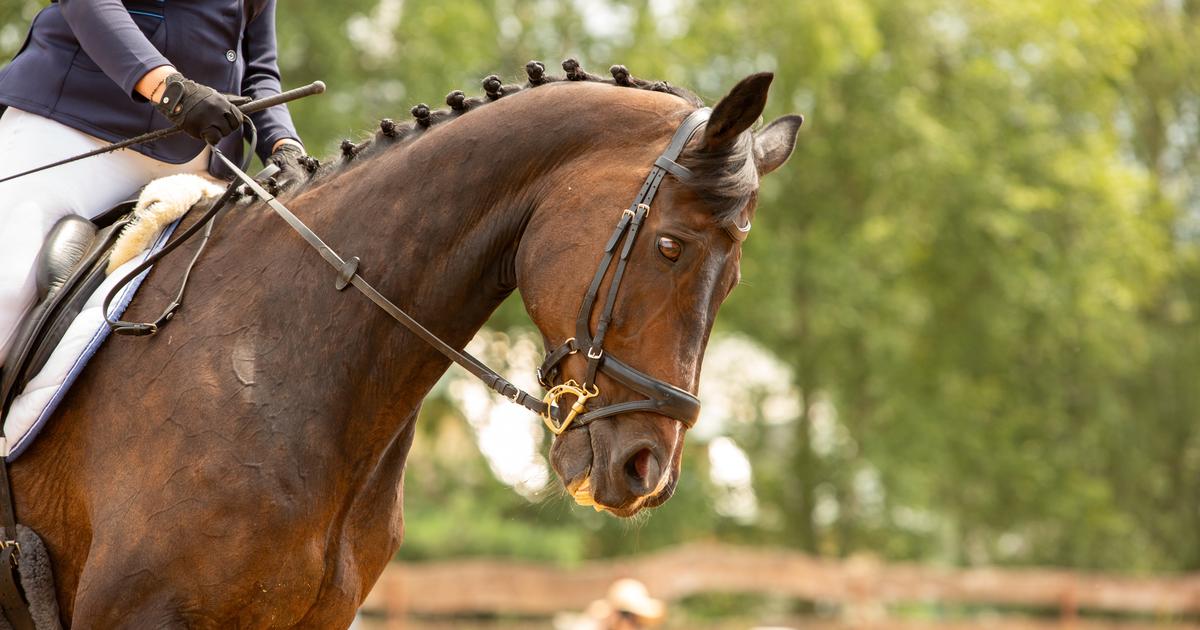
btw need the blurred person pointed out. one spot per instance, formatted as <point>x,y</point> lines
<point>627,606</point>
<point>97,71</point>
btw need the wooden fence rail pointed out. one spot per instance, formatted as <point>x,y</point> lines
<point>512,587</point>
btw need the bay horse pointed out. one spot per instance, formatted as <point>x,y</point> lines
<point>244,467</point>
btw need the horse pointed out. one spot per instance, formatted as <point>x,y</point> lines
<point>244,467</point>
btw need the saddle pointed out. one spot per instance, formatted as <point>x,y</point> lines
<point>69,267</point>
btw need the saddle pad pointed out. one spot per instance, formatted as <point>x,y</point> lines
<point>41,396</point>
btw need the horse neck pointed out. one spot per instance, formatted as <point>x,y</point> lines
<point>436,224</point>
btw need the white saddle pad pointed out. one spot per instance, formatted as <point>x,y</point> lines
<point>158,210</point>
<point>41,395</point>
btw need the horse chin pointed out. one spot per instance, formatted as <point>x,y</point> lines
<point>581,491</point>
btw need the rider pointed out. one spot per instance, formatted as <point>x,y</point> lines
<point>98,71</point>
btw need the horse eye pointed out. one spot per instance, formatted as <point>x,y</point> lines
<point>669,248</point>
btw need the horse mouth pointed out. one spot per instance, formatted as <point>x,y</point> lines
<point>581,491</point>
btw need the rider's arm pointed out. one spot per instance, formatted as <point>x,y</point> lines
<point>113,40</point>
<point>261,80</point>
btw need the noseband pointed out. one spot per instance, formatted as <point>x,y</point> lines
<point>660,397</point>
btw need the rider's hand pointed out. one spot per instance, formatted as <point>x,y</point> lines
<point>288,156</point>
<point>197,109</point>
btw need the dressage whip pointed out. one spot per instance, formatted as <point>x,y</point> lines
<point>316,87</point>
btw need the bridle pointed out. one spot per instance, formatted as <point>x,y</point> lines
<point>660,397</point>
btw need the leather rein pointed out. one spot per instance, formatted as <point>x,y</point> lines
<point>660,397</point>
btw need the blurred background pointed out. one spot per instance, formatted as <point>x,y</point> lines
<point>964,363</point>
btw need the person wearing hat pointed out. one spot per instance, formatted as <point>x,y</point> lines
<point>628,606</point>
<point>93,72</point>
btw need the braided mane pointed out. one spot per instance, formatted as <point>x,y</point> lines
<point>727,178</point>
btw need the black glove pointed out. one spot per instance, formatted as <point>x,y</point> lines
<point>294,166</point>
<point>197,109</point>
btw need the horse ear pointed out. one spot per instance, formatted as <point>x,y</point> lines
<point>738,110</point>
<point>773,145</point>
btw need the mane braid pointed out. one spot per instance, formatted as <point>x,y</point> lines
<point>726,178</point>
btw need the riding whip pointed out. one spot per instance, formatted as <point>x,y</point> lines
<point>316,87</point>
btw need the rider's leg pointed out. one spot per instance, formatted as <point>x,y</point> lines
<point>30,205</point>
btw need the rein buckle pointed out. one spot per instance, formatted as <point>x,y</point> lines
<point>558,391</point>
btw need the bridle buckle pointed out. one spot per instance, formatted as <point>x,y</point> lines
<point>570,388</point>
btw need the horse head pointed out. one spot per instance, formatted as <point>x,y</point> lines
<point>653,314</point>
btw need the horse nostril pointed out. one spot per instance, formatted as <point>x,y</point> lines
<point>642,472</point>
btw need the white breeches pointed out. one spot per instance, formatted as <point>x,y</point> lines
<point>30,205</point>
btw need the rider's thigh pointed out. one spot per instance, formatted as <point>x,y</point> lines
<point>31,205</point>
<point>20,239</point>
<point>86,187</point>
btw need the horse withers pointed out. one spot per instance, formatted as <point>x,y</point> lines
<point>244,467</point>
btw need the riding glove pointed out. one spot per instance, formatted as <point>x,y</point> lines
<point>293,166</point>
<point>197,109</point>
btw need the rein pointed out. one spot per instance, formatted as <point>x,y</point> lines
<point>660,397</point>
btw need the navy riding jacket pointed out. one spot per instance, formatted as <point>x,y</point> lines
<point>82,58</point>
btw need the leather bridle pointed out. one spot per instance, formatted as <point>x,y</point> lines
<point>660,397</point>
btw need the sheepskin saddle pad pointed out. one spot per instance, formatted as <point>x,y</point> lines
<point>37,581</point>
<point>77,267</point>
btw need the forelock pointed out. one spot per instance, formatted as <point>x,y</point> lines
<point>725,178</point>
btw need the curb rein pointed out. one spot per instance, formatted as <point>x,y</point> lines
<point>661,397</point>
